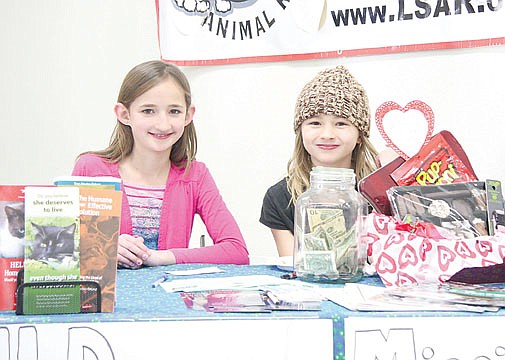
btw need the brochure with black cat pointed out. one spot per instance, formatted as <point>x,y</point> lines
<point>12,242</point>
<point>52,257</point>
<point>71,246</point>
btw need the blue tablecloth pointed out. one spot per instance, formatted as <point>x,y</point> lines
<point>138,301</point>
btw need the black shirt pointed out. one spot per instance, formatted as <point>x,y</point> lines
<point>278,212</point>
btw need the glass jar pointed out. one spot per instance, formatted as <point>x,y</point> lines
<point>329,223</point>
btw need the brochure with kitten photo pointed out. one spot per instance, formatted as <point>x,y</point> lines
<point>12,242</point>
<point>70,248</point>
<point>52,227</point>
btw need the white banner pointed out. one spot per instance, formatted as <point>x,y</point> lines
<point>430,338</point>
<point>215,339</point>
<point>211,32</point>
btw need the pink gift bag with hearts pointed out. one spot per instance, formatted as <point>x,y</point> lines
<point>402,254</point>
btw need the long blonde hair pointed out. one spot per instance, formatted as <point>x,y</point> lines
<point>140,79</point>
<point>363,162</point>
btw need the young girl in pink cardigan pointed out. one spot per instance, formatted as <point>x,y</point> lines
<point>152,149</point>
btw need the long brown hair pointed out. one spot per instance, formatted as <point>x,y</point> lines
<point>140,79</point>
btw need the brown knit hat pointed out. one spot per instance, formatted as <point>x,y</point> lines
<point>334,92</point>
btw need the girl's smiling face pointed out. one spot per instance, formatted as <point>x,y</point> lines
<point>157,118</point>
<point>329,140</point>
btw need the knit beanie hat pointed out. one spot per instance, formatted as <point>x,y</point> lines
<point>334,92</point>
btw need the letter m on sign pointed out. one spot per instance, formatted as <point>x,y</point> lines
<point>374,345</point>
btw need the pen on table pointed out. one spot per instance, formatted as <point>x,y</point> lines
<point>274,299</point>
<point>159,281</point>
<point>290,276</point>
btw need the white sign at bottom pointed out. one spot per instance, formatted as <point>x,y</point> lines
<point>425,338</point>
<point>185,339</point>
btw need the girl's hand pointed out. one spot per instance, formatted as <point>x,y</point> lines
<point>132,253</point>
<point>160,257</point>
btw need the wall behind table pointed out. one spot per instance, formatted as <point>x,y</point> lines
<point>64,60</point>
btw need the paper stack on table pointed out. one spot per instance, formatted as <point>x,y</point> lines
<point>374,298</point>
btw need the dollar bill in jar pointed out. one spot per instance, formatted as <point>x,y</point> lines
<point>319,262</point>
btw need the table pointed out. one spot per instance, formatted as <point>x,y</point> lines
<point>150,323</point>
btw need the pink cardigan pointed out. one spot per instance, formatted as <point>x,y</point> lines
<point>185,196</point>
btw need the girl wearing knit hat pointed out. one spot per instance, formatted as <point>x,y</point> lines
<point>332,129</point>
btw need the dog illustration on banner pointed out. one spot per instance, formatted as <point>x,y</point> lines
<point>220,6</point>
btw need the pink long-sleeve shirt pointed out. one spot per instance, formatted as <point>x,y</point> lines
<point>185,195</point>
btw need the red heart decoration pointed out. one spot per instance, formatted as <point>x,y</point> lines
<point>484,247</point>
<point>405,279</point>
<point>463,250</point>
<point>380,224</point>
<point>445,257</point>
<point>486,262</point>
<point>501,251</point>
<point>408,257</point>
<point>388,106</point>
<point>424,248</point>
<point>385,264</point>
<point>394,239</point>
